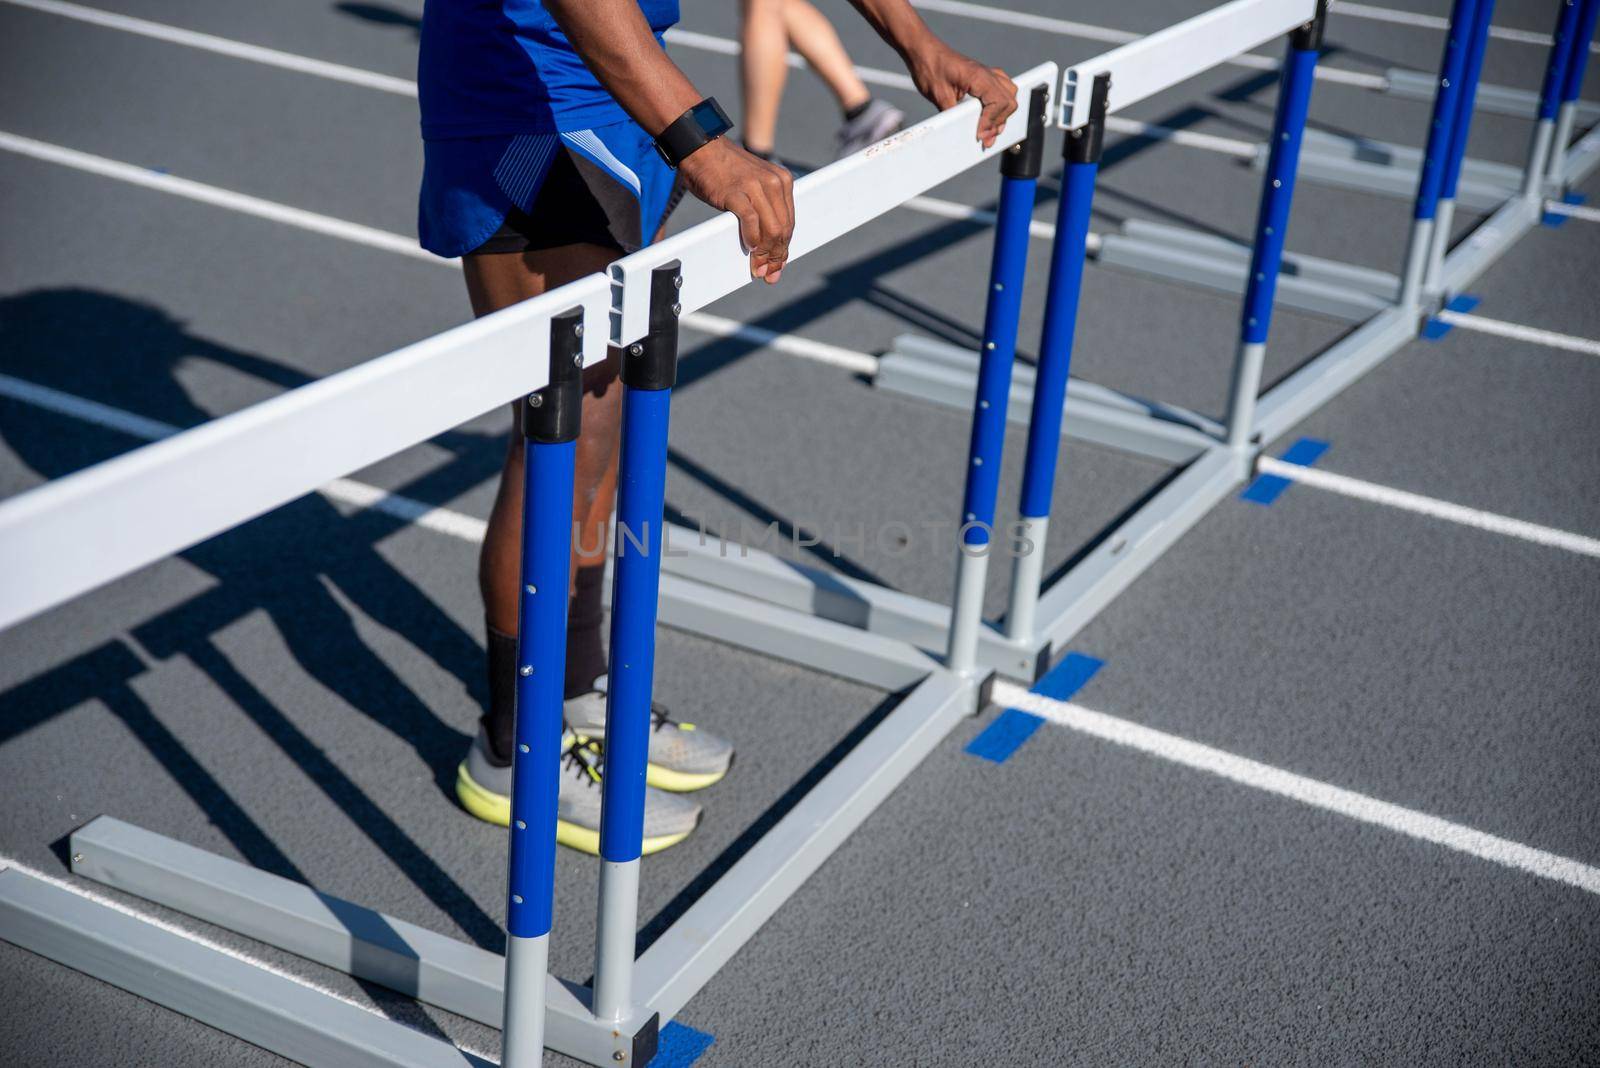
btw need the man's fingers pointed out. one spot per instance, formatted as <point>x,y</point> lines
<point>777,217</point>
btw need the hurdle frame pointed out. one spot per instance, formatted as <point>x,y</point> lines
<point>759,602</point>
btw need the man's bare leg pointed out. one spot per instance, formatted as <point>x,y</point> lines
<point>499,281</point>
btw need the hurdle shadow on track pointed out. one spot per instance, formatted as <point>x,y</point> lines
<point>287,563</point>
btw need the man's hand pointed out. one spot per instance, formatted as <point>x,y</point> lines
<point>946,77</point>
<point>761,194</point>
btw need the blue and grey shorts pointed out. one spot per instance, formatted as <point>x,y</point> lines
<point>514,193</point>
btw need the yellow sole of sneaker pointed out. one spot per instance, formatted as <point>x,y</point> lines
<point>680,782</point>
<point>496,808</point>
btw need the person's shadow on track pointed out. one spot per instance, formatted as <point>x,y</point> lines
<point>305,565</point>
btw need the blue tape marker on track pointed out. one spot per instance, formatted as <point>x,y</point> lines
<point>1265,489</point>
<point>1012,727</point>
<point>1553,219</point>
<point>1433,329</point>
<point>680,1046</point>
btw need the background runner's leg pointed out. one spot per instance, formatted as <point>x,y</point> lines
<point>1082,153</point>
<point>649,369</point>
<point>550,422</point>
<point>1572,86</point>
<point>1272,222</point>
<point>1555,76</point>
<point>1440,134</point>
<point>1444,215</point>
<point>1019,170</point>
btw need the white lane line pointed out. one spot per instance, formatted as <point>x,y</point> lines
<point>218,197</point>
<point>1430,506</point>
<point>403,87</point>
<point>1518,332</point>
<point>201,940</point>
<point>344,490</point>
<point>223,46</point>
<point>1434,22</point>
<point>386,241</point>
<point>1572,211</point>
<point>1329,798</point>
<point>1089,32</point>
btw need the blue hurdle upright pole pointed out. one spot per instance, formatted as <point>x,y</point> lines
<point>1445,211</point>
<point>550,420</point>
<point>1082,155</point>
<point>649,370</point>
<point>1272,224</point>
<point>1550,92</point>
<point>1019,179</point>
<point>1572,87</point>
<point>1441,132</point>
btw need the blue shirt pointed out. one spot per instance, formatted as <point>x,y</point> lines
<point>490,67</point>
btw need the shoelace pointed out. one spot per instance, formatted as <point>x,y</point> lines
<point>579,764</point>
<point>659,720</point>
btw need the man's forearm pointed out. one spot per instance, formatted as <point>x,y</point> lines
<point>897,23</point>
<point>617,43</point>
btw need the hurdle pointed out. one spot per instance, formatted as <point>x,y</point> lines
<point>212,478</point>
<point>1437,177</point>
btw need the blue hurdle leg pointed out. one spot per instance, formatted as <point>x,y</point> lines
<point>1272,224</point>
<point>550,432</point>
<point>1082,153</point>
<point>1019,169</point>
<point>1444,215</point>
<point>1572,87</point>
<point>1440,134</point>
<point>649,369</point>
<point>1550,93</point>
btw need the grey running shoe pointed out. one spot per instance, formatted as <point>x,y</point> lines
<point>871,126</point>
<point>484,789</point>
<point>683,757</point>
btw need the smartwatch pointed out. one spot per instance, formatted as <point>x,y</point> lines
<point>699,126</point>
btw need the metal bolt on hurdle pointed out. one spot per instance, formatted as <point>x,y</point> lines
<point>1544,144</point>
<point>1441,133</point>
<point>1019,180</point>
<point>649,371</point>
<point>1576,63</point>
<point>1461,127</point>
<point>1082,154</point>
<point>550,425</point>
<point>1272,224</point>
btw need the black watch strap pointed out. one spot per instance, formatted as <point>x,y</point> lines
<point>699,126</point>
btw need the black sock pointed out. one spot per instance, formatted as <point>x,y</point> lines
<point>852,114</point>
<point>500,721</point>
<point>586,650</point>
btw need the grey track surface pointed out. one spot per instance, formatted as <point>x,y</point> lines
<point>296,693</point>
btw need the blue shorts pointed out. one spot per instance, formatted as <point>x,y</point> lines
<point>604,186</point>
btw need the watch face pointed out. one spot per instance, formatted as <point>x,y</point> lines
<point>710,117</point>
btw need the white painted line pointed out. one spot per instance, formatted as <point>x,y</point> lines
<point>1089,32</point>
<point>817,351</point>
<point>222,198</point>
<point>385,241</point>
<point>198,939</point>
<point>1518,332</point>
<point>686,38</point>
<point>1227,146</point>
<point>1329,798</point>
<point>1572,211</point>
<point>1430,506</point>
<point>345,491</point>
<point>1434,22</point>
<point>224,46</point>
